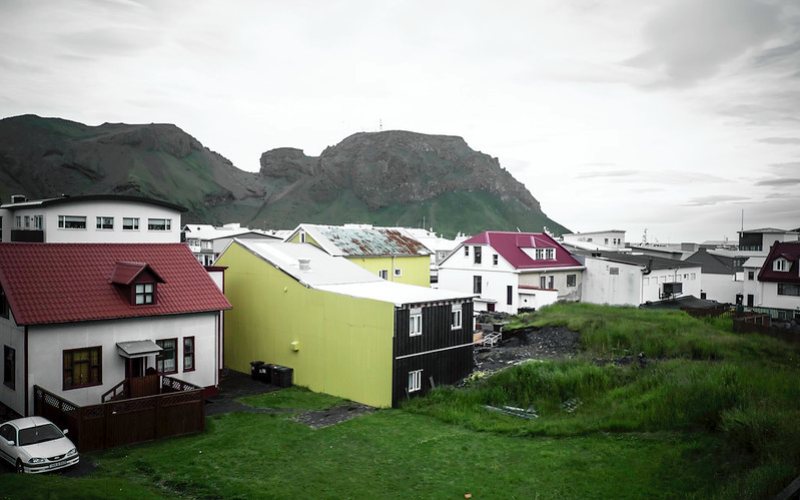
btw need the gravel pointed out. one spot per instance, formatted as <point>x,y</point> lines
<point>529,343</point>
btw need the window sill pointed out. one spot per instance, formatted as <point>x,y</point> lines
<point>415,334</point>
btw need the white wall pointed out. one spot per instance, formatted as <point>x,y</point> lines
<point>564,292</point>
<point>47,343</point>
<point>93,209</point>
<point>652,284</point>
<point>537,298</point>
<point>14,337</point>
<point>604,238</point>
<point>720,287</point>
<point>770,297</point>
<point>493,286</point>
<point>602,287</point>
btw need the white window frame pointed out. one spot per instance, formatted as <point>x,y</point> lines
<point>455,317</point>
<point>780,265</point>
<point>495,259</point>
<point>383,274</point>
<point>38,222</point>
<point>550,253</point>
<point>155,220</point>
<point>101,221</point>
<point>414,380</point>
<point>62,222</point>
<point>415,322</point>
<point>398,272</point>
<point>132,221</point>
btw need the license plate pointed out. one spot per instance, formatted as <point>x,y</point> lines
<point>57,464</point>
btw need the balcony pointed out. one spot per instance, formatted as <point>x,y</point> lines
<point>27,235</point>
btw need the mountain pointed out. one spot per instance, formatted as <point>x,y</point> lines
<point>386,178</point>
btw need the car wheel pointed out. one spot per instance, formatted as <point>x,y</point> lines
<point>19,469</point>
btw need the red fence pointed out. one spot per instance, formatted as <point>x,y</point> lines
<point>173,413</point>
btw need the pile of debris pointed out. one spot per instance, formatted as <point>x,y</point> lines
<point>529,343</point>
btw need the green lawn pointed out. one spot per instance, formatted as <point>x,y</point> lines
<point>684,426</point>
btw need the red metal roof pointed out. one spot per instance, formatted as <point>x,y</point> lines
<point>125,272</point>
<point>48,283</point>
<point>789,251</point>
<point>510,245</point>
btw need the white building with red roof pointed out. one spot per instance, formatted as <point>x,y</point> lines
<point>78,319</point>
<point>777,284</point>
<point>512,270</point>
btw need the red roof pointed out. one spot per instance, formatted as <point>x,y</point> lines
<point>125,272</point>
<point>47,283</point>
<point>789,251</point>
<point>512,247</point>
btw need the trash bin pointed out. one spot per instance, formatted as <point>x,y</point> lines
<point>282,376</point>
<point>254,366</point>
<point>265,373</point>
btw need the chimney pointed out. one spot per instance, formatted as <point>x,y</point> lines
<point>18,198</point>
<point>305,264</point>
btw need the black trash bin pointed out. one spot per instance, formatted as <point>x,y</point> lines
<point>282,376</point>
<point>254,366</point>
<point>265,373</point>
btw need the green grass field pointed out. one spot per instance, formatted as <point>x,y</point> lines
<point>715,422</point>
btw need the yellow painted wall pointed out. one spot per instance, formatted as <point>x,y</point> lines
<point>413,270</point>
<point>345,342</point>
<point>309,239</point>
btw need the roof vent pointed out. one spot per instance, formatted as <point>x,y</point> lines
<point>305,264</point>
<point>18,198</point>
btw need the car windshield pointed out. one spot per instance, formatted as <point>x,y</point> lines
<point>39,434</point>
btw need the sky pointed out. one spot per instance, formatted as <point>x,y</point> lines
<point>674,117</point>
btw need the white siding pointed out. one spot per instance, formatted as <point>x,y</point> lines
<point>493,285</point>
<point>721,287</point>
<point>13,336</point>
<point>47,343</point>
<point>602,287</point>
<point>770,298</point>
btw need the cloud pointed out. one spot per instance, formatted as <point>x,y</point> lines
<point>780,140</point>
<point>606,173</point>
<point>689,41</point>
<point>789,165</point>
<point>703,201</point>
<point>779,182</point>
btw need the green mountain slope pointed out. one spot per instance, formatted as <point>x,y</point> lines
<point>387,178</point>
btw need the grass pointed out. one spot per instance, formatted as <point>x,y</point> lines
<point>721,426</point>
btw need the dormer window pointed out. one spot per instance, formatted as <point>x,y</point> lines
<point>780,264</point>
<point>144,293</point>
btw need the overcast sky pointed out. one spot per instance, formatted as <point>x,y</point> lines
<point>670,115</point>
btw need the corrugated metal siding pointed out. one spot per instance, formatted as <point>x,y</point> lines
<point>446,367</point>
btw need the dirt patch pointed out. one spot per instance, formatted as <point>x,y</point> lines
<point>529,343</point>
<point>331,416</point>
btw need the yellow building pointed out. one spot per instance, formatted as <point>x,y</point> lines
<point>342,329</point>
<point>386,252</point>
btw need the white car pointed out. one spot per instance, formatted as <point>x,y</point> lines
<point>34,444</point>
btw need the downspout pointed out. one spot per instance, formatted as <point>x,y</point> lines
<point>27,402</point>
<point>647,270</point>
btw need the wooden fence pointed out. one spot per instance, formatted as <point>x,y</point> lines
<point>180,409</point>
<point>763,323</point>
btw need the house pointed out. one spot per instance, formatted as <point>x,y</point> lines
<point>342,329</point>
<point>78,319</point>
<point>720,280</point>
<point>96,218</point>
<point>509,271</point>
<point>386,252</point>
<point>761,240</point>
<point>206,241</point>
<point>629,279</point>
<point>611,240</point>
<point>777,284</point>
<point>438,246</point>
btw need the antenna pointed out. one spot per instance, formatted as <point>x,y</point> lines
<point>380,124</point>
<point>743,220</point>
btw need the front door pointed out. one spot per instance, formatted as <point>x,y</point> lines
<point>134,367</point>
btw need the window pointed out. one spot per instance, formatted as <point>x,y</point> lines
<point>750,300</point>
<point>82,368</point>
<point>645,281</point>
<point>606,241</point>
<point>71,222</point>
<point>159,224</point>
<point>550,284</point>
<point>494,259</point>
<point>477,255</point>
<point>789,289</point>
<point>415,322</point>
<point>540,254</point>
<point>542,282</point>
<point>414,380</point>
<point>144,293</point>
<point>693,276</point>
<point>8,433</point>
<point>477,286</point>
<point>466,251</point>
<point>455,317</point>
<point>383,274</point>
<point>9,367</point>
<point>509,294</point>
<point>167,359</point>
<point>105,223</point>
<point>780,265</point>
<point>130,223</point>
<point>398,272</point>
<point>188,354</point>
<point>18,222</point>
<point>3,304</point>
<point>614,271</point>
<point>751,275</point>
<point>38,222</point>
<point>572,279</point>
<point>302,236</point>
<point>550,253</point>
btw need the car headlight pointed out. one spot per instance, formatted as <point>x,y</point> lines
<point>71,452</point>
<point>36,460</point>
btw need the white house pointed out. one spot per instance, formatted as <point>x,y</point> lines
<point>625,279</point>
<point>512,270</point>
<point>720,280</point>
<point>438,246</point>
<point>77,320</point>
<point>90,219</point>
<point>612,240</point>
<point>207,242</point>
<point>777,282</point>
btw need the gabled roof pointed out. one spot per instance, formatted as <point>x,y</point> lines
<point>712,264</point>
<point>512,247</point>
<point>72,282</point>
<point>125,272</point>
<point>786,250</point>
<point>209,232</point>
<point>362,241</point>
<point>654,263</point>
<point>339,275</point>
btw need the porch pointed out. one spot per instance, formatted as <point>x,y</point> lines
<point>137,409</point>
